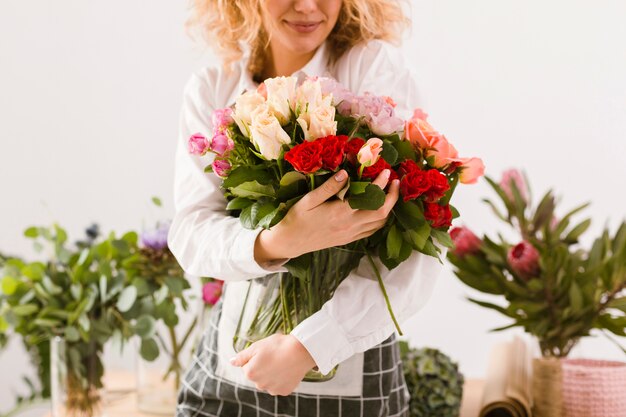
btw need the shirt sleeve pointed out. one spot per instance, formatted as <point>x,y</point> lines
<point>203,237</point>
<point>356,318</point>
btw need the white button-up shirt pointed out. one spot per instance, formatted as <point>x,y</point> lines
<point>206,241</point>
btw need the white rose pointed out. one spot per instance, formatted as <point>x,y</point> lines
<point>266,133</point>
<point>308,96</point>
<point>244,106</point>
<point>318,123</point>
<point>280,95</point>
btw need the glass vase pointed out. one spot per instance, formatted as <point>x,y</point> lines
<point>278,302</point>
<point>76,378</point>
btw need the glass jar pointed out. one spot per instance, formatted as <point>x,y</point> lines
<point>278,302</point>
<point>76,378</point>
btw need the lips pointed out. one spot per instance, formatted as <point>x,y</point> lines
<point>303,27</point>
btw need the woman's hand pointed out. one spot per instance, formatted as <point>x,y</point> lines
<point>275,364</point>
<point>314,223</point>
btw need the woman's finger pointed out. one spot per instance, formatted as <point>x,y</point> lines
<point>382,178</point>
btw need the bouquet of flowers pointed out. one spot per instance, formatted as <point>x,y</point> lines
<point>286,138</point>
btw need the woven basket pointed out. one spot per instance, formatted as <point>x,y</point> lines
<point>546,387</point>
<point>593,388</point>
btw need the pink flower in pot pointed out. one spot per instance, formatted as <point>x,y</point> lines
<point>524,260</point>
<point>465,241</point>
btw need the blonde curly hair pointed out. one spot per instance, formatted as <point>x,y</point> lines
<point>226,24</point>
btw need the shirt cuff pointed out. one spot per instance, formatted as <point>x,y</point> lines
<point>242,255</point>
<point>314,334</point>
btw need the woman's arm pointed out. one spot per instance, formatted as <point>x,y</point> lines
<point>205,240</point>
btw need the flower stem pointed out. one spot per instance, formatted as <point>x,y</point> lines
<point>382,287</point>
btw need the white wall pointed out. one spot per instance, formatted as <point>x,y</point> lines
<point>90,94</point>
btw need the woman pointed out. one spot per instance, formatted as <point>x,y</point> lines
<point>260,39</point>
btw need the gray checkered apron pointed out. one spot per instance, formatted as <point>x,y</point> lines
<point>203,393</point>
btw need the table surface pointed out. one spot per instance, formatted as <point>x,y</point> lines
<point>126,405</point>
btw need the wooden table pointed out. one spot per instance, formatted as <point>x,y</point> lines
<point>126,405</point>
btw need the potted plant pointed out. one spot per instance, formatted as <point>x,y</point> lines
<point>550,286</point>
<point>72,303</point>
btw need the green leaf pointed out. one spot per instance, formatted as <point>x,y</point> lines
<point>573,234</point>
<point>253,189</point>
<point>157,201</point>
<point>247,217</point>
<point>160,295</point>
<point>418,237</point>
<point>243,174</point>
<point>409,215</point>
<point>50,286</point>
<point>142,286</point>
<point>575,297</point>
<point>394,242</point>
<point>431,250</point>
<point>358,187</point>
<point>47,323</point>
<point>31,232</point>
<point>127,299</point>
<point>145,327</point>
<point>9,285</point>
<point>72,334</point>
<point>371,199</point>
<point>175,285</point>
<point>618,303</point>
<point>443,238</point>
<point>25,309</point>
<point>292,177</point>
<point>405,150</point>
<point>389,152</point>
<point>495,307</point>
<point>149,349</point>
<point>238,203</point>
<point>34,271</point>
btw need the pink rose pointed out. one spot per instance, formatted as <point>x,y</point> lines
<point>222,118</point>
<point>443,152</point>
<point>370,152</point>
<point>198,144</point>
<point>472,169</point>
<point>221,143</point>
<point>515,176</point>
<point>465,241</point>
<point>524,260</point>
<point>212,291</point>
<point>221,168</point>
<point>419,132</point>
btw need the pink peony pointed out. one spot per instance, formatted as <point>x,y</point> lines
<point>221,167</point>
<point>370,152</point>
<point>222,118</point>
<point>212,291</point>
<point>513,175</point>
<point>465,241</point>
<point>221,144</point>
<point>378,113</point>
<point>524,260</point>
<point>198,144</point>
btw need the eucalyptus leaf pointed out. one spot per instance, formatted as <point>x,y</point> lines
<point>127,299</point>
<point>149,349</point>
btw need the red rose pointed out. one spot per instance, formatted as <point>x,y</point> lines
<point>408,166</point>
<point>438,186</point>
<point>414,184</point>
<point>354,145</point>
<point>305,157</point>
<point>440,216</point>
<point>332,150</point>
<point>373,171</point>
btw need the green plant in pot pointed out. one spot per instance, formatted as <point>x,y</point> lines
<point>552,287</point>
<point>434,382</point>
<point>72,302</point>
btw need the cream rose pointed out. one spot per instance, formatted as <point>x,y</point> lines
<point>281,93</point>
<point>244,106</point>
<point>266,133</point>
<point>309,97</point>
<point>318,123</point>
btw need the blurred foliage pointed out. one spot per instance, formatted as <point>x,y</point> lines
<point>576,289</point>
<point>434,382</point>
